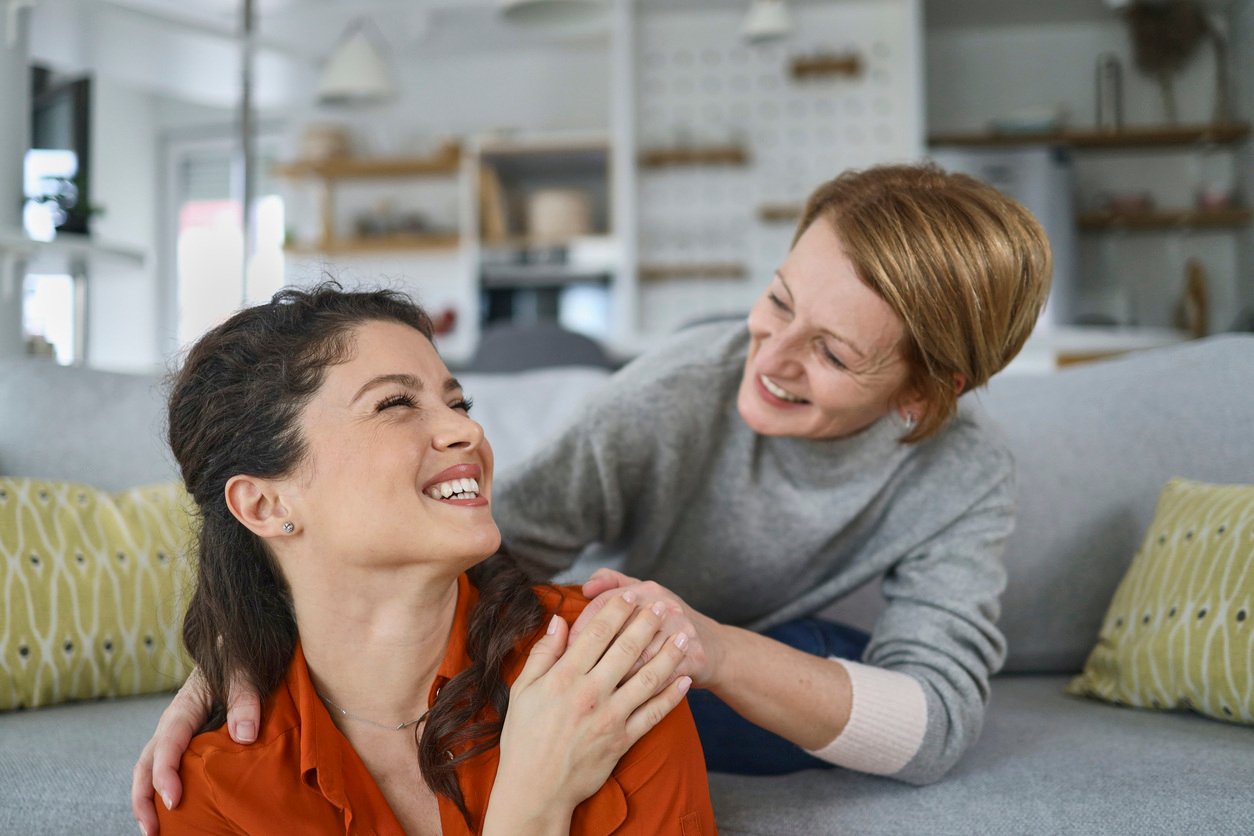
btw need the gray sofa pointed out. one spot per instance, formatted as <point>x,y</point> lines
<point>1094,445</point>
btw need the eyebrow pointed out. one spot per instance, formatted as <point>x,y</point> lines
<point>861,354</point>
<point>406,380</point>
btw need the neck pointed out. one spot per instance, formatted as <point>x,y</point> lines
<point>374,649</point>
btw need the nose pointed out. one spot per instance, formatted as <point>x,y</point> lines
<point>458,431</point>
<point>780,350</point>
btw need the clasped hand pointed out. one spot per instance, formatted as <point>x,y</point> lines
<point>575,711</point>
<point>705,651</point>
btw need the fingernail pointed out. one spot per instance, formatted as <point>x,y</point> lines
<point>659,609</point>
<point>245,731</point>
<point>629,597</point>
<point>683,684</point>
<point>165,798</point>
<point>143,829</point>
<point>552,625</point>
<point>681,640</point>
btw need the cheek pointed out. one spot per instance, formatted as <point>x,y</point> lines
<point>489,458</point>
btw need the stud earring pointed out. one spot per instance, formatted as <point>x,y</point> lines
<point>288,527</point>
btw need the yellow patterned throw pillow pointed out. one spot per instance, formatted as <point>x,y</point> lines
<point>1179,632</point>
<point>93,587</point>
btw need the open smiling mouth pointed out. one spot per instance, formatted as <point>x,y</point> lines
<point>455,489</point>
<point>783,395</point>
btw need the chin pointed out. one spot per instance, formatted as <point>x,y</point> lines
<point>754,413</point>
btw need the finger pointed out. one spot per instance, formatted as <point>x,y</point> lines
<point>243,711</point>
<point>659,639</point>
<point>544,653</point>
<point>653,676</point>
<point>178,723</point>
<point>604,579</point>
<point>141,792</point>
<point>592,642</point>
<point>644,718</point>
<point>626,649</point>
<point>589,612</point>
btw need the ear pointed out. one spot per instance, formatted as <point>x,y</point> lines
<point>911,404</point>
<point>257,505</point>
<point>960,383</point>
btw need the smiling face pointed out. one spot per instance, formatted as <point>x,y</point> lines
<point>396,470</point>
<point>825,357</point>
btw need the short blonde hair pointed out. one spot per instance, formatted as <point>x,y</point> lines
<point>965,267</point>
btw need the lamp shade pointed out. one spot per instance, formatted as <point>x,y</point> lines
<point>766,20</point>
<point>549,11</point>
<point>356,72</point>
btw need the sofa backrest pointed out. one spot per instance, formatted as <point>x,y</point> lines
<point>1094,446</point>
<point>84,425</point>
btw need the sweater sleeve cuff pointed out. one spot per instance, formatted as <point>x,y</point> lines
<point>887,721</point>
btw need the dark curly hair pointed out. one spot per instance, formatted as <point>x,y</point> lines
<point>234,408</point>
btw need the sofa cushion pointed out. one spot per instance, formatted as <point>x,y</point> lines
<point>1045,763</point>
<point>92,591</point>
<point>1179,632</point>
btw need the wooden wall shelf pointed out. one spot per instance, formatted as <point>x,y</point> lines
<point>1144,136</point>
<point>811,66</point>
<point>663,272</point>
<point>409,242</point>
<point>445,162</point>
<point>1160,220</point>
<point>780,212</point>
<point>712,155</point>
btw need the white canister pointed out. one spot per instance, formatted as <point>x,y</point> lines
<point>559,214</point>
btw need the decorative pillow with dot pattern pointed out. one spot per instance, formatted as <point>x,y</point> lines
<point>93,587</point>
<point>1179,633</point>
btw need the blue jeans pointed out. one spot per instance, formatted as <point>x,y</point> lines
<point>733,744</point>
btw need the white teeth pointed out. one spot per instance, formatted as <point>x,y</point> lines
<point>461,488</point>
<point>778,392</point>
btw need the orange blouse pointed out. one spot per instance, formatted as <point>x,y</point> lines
<point>303,776</point>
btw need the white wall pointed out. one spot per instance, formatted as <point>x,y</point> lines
<point>123,301</point>
<point>699,82</point>
<point>976,74</point>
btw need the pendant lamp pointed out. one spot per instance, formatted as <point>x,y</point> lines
<point>766,20</point>
<point>357,72</point>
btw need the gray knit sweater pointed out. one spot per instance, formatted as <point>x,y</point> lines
<point>659,470</point>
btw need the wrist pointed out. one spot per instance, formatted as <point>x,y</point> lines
<point>719,641</point>
<point>521,804</point>
<point>515,811</point>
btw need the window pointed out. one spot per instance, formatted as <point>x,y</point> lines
<point>210,280</point>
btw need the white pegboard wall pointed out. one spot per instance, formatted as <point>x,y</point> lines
<point>699,84</point>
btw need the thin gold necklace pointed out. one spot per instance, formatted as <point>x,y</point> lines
<point>344,712</point>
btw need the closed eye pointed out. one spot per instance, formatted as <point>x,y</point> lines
<point>463,405</point>
<point>401,399</point>
<point>777,302</point>
<point>831,358</point>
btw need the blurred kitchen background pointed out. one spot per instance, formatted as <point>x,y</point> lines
<point>619,168</point>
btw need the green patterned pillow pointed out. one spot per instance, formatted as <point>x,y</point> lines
<point>1178,633</point>
<point>93,587</point>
